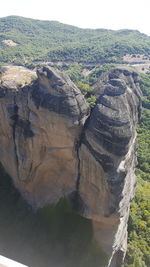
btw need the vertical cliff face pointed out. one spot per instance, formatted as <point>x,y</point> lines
<point>108,156</point>
<point>52,145</point>
<point>41,124</point>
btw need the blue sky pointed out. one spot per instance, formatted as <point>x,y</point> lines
<point>111,14</point>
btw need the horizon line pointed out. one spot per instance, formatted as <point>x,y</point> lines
<point>83,28</point>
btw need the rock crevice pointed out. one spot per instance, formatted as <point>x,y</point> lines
<point>15,119</point>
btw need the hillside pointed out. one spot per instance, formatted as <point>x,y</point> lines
<point>139,221</point>
<point>24,40</point>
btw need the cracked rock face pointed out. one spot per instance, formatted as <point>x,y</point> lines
<point>41,124</point>
<point>53,146</point>
<point>108,159</point>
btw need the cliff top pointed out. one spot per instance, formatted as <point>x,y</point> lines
<point>16,77</point>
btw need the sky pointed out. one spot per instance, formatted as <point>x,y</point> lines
<point>108,14</point>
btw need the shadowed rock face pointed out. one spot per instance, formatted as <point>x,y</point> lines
<point>52,146</point>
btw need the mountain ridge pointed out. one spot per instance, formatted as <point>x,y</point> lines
<point>74,26</point>
<point>54,41</point>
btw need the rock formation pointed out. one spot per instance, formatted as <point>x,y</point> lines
<point>52,146</point>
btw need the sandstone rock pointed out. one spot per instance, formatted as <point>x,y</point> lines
<point>41,123</point>
<point>108,158</point>
<point>53,146</point>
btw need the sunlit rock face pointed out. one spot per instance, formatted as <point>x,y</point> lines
<point>53,146</point>
<point>41,123</point>
<point>108,159</point>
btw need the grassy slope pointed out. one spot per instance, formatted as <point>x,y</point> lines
<point>54,41</point>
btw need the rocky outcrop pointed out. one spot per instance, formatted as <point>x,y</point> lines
<point>52,145</point>
<point>41,123</point>
<point>108,159</point>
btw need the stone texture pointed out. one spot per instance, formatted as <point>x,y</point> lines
<point>40,126</point>
<point>108,159</point>
<point>52,145</point>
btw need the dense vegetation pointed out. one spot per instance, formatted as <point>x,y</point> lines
<point>139,222</point>
<point>53,41</point>
<point>85,82</point>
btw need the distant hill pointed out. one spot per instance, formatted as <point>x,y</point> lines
<point>24,40</point>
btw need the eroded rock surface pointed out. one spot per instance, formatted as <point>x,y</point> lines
<point>108,159</point>
<point>40,125</point>
<point>53,146</point>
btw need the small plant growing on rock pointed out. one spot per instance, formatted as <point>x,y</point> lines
<point>92,101</point>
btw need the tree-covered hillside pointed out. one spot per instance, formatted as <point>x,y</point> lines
<point>53,41</point>
<point>139,222</point>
